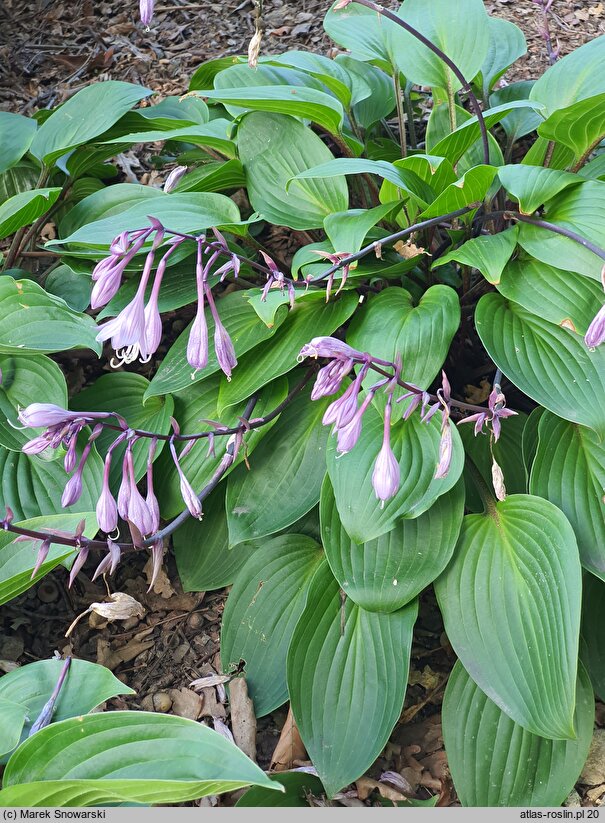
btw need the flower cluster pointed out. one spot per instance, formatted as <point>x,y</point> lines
<point>596,331</point>
<point>346,413</point>
<point>136,332</point>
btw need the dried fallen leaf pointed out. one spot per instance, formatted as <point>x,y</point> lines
<point>122,607</point>
<point>289,746</point>
<point>243,719</point>
<point>408,250</point>
<point>211,680</point>
<point>365,787</point>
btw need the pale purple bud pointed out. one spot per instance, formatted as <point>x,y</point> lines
<point>146,10</point>
<point>596,331</point>
<point>445,451</point>
<point>119,245</point>
<point>77,566</point>
<point>386,475</point>
<point>137,512</point>
<point>342,411</point>
<point>153,327</point>
<point>197,346</point>
<point>46,715</point>
<point>107,510</point>
<point>36,445</point>
<point>157,555</point>
<point>106,285</point>
<point>71,455</point>
<point>223,346</point>
<point>151,500</point>
<point>173,178</point>
<point>348,435</point>
<point>41,557</point>
<point>187,493</point>
<point>124,491</point>
<point>110,562</point>
<point>329,378</point>
<point>73,489</point>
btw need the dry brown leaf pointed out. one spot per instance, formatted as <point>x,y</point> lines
<point>186,703</point>
<point>408,250</point>
<point>289,746</point>
<point>365,787</point>
<point>427,678</point>
<point>162,585</point>
<point>477,394</point>
<point>243,719</point>
<point>112,658</point>
<point>211,680</point>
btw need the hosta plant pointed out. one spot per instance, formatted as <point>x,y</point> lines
<point>408,393</point>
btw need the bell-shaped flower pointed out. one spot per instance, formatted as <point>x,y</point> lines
<point>386,476</point>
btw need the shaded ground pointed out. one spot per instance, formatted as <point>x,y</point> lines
<point>48,50</point>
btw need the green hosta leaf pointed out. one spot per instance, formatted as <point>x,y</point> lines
<point>130,756</point>
<point>86,115</point>
<point>416,447</point>
<point>123,393</point>
<point>592,648</point>
<point>309,318</point>
<point>16,135</point>
<point>174,108</point>
<point>532,186</point>
<point>496,762</point>
<point>577,76</point>
<point>347,230</point>
<point>403,178</point>
<point>107,202</point>
<point>70,286</point>
<point>19,178</point>
<point>470,189</point>
<point>192,408</point>
<point>386,573</point>
<point>87,685</point>
<point>369,107</point>
<point>262,609</point>
<point>213,135</point>
<point>508,453</point>
<point>346,664</point>
<point>12,719</point>
<point>488,253</point>
<point>530,438</point>
<point>214,177</point>
<point>365,34</point>
<point>202,552</point>
<point>457,142</point>
<point>23,209</point>
<point>191,212</point>
<point>595,170</point>
<point>421,334</point>
<point>274,148</point>
<point>25,380</point>
<point>18,558</point>
<point>510,600</point>
<point>506,45</point>
<point>298,785</point>
<point>550,364</point>
<point>285,475</point>
<point>580,126</point>
<point>581,209</point>
<point>310,104</point>
<point>245,328</point>
<point>31,486</point>
<point>327,71</point>
<point>33,321</point>
<point>559,296</point>
<point>519,122</point>
<point>569,470</point>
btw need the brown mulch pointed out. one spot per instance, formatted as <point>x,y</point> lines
<point>49,50</point>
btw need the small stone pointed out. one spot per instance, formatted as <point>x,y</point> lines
<point>162,702</point>
<point>195,621</point>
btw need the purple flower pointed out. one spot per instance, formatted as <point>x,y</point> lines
<point>596,331</point>
<point>330,377</point>
<point>190,498</point>
<point>73,490</point>
<point>223,345</point>
<point>41,557</point>
<point>78,563</point>
<point>151,500</point>
<point>386,475</point>
<point>173,178</point>
<point>329,347</point>
<point>348,435</point>
<point>197,345</point>
<point>445,451</point>
<point>131,503</point>
<point>107,274</point>
<point>146,11</point>
<point>495,412</point>
<point>107,509</point>
<point>110,562</point>
<point>37,415</point>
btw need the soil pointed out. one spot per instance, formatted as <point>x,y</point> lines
<point>49,50</point>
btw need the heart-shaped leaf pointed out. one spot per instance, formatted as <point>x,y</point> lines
<point>87,685</point>
<point>580,126</point>
<point>421,334</point>
<point>569,470</point>
<point>532,186</point>
<point>284,479</point>
<point>345,664</point>
<point>16,135</point>
<point>550,364</point>
<point>416,448</point>
<point>25,380</point>
<point>24,208</point>
<point>496,762</point>
<point>489,253</point>
<point>510,601</point>
<point>506,44</point>
<point>274,148</point>
<point>33,321</point>
<point>262,609</point>
<point>384,574</point>
<point>126,756</point>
